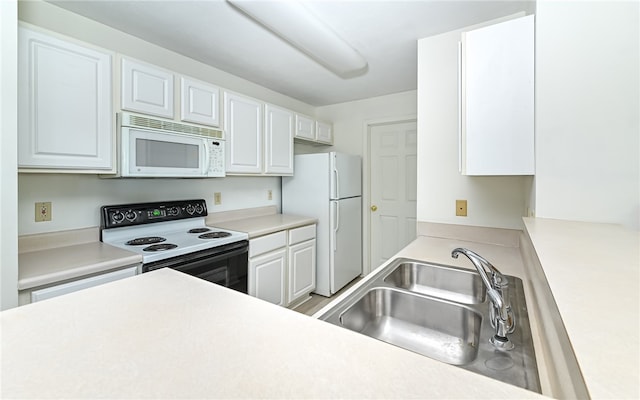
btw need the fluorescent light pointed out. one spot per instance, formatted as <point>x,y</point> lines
<point>295,23</point>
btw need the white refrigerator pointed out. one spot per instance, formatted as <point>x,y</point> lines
<point>328,186</point>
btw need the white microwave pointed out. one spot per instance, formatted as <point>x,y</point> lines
<point>155,148</point>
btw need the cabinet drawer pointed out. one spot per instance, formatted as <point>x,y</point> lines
<point>301,234</point>
<point>267,243</point>
<point>74,286</point>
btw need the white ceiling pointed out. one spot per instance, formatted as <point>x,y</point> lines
<point>216,33</point>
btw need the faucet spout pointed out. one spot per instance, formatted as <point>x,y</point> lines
<point>498,293</point>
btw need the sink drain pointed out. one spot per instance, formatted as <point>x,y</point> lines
<point>499,363</point>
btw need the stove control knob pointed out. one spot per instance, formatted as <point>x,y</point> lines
<point>190,209</point>
<point>174,211</point>
<point>199,208</point>
<point>117,217</point>
<point>131,215</point>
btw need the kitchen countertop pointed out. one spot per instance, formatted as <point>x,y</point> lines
<point>38,268</point>
<point>49,258</point>
<point>593,271</point>
<point>258,222</point>
<point>165,335</point>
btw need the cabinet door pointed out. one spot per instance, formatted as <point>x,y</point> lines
<point>324,132</point>
<point>64,109</point>
<point>278,143</point>
<point>305,127</point>
<point>267,276</point>
<point>199,102</point>
<point>302,269</point>
<point>243,127</point>
<point>497,135</point>
<point>147,89</point>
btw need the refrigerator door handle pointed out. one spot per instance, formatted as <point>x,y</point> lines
<point>336,183</point>
<point>336,225</point>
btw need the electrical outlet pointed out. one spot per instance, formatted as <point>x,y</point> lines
<point>217,198</point>
<point>43,211</point>
<point>269,195</point>
<point>461,208</point>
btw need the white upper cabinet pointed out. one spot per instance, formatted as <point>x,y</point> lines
<point>305,127</point>
<point>146,89</point>
<point>497,99</point>
<point>243,130</point>
<point>200,102</point>
<point>308,130</point>
<point>278,140</point>
<point>65,117</point>
<point>324,132</point>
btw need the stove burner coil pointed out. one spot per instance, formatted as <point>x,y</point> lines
<point>199,230</point>
<point>160,247</point>
<point>145,240</point>
<point>214,235</point>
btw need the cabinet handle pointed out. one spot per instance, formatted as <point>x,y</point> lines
<point>374,208</point>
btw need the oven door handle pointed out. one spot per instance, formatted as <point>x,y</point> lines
<point>211,255</point>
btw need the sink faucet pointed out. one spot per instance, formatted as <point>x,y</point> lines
<point>498,293</point>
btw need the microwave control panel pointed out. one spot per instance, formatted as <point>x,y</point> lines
<point>216,158</point>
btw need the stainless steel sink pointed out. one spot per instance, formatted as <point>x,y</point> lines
<point>439,329</point>
<point>440,312</point>
<point>440,281</point>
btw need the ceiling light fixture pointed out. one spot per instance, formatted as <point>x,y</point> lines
<point>295,23</point>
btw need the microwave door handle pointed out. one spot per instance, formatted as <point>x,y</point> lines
<point>207,158</point>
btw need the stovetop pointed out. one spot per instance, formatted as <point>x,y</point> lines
<point>162,230</point>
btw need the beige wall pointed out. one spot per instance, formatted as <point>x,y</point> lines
<point>588,111</point>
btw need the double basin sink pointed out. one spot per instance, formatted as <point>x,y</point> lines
<point>441,312</point>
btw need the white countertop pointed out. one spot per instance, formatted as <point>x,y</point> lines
<point>593,271</point>
<point>265,224</point>
<point>43,267</point>
<point>166,335</point>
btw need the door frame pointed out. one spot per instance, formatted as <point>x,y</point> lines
<point>366,181</point>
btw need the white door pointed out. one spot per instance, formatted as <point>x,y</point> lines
<point>147,89</point>
<point>393,149</point>
<point>267,280</point>
<point>346,242</point>
<point>64,109</point>
<point>346,175</point>
<point>243,129</point>
<point>278,140</point>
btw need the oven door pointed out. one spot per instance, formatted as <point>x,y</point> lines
<point>147,153</point>
<point>225,265</point>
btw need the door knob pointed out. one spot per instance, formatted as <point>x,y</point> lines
<point>374,208</point>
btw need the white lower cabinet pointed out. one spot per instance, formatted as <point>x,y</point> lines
<point>268,273</point>
<point>282,266</point>
<point>302,269</point>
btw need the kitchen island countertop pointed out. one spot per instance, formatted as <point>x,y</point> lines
<point>165,335</point>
